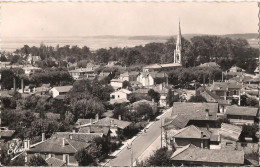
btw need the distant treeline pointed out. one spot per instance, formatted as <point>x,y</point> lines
<point>199,49</point>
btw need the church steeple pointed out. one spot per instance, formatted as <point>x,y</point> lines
<point>177,51</point>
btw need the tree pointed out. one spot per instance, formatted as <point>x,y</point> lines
<point>126,84</point>
<point>161,157</point>
<point>83,157</point>
<point>197,99</point>
<point>154,95</point>
<point>37,160</point>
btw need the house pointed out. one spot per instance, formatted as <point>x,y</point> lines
<point>213,98</point>
<point>227,90</point>
<point>129,76</point>
<point>120,94</point>
<point>113,63</point>
<point>60,91</point>
<point>190,135</point>
<point>230,132</point>
<point>175,122</point>
<point>60,148</point>
<point>191,155</point>
<point>209,64</point>
<point>116,83</point>
<point>198,114</point>
<point>236,69</point>
<point>114,125</point>
<point>241,115</point>
<point>29,70</point>
<point>152,78</point>
<point>84,137</point>
<point>80,72</point>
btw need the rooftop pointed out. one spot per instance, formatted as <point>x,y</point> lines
<point>55,145</point>
<point>191,153</point>
<point>237,110</point>
<point>63,88</point>
<point>84,137</point>
<point>195,111</point>
<point>191,132</point>
<point>52,161</point>
<point>229,131</point>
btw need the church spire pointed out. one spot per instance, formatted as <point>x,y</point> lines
<point>177,51</point>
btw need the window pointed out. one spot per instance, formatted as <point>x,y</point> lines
<point>235,92</point>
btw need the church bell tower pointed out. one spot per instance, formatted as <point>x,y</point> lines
<point>177,51</point>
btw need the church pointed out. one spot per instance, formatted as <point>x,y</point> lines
<point>177,58</point>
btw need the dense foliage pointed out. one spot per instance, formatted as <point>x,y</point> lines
<point>199,49</point>
<point>37,160</point>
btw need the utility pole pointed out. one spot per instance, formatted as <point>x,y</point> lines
<point>161,133</point>
<point>132,154</point>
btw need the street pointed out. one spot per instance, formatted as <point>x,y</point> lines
<point>139,145</point>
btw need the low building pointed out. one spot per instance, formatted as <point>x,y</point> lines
<point>152,78</point>
<point>29,70</point>
<point>129,76</point>
<point>60,91</point>
<point>198,114</point>
<point>80,72</point>
<point>114,125</point>
<point>84,137</point>
<point>230,132</point>
<point>116,83</point>
<point>190,135</point>
<point>60,148</point>
<point>195,156</point>
<point>227,90</point>
<point>120,94</point>
<point>241,115</point>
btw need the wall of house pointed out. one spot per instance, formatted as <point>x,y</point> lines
<point>116,84</point>
<point>54,93</point>
<point>118,95</point>
<point>196,142</point>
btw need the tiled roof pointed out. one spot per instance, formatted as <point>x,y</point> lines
<point>55,145</point>
<point>60,97</point>
<point>195,111</point>
<point>124,91</point>
<point>108,121</point>
<point>83,121</point>
<point>178,121</point>
<point>191,153</point>
<point>94,129</point>
<point>142,90</point>
<point>153,66</point>
<point>246,111</point>
<point>119,101</point>
<point>154,74</point>
<point>52,161</point>
<point>230,131</point>
<point>85,137</point>
<point>170,65</point>
<point>226,85</point>
<point>63,88</point>
<point>191,132</point>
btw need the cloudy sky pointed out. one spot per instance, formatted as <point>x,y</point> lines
<point>125,18</point>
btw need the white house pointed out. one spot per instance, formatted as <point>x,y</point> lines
<point>120,94</point>
<point>28,70</point>
<point>152,78</point>
<point>60,90</point>
<point>116,83</point>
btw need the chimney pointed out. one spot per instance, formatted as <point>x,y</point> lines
<point>22,85</point>
<point>97,117</point>
<point>43,136</point>
<point>63,142</point>
<point>25,145</point>
<point>14,82</point>
<point>207,113</point>
<point>70,136</point>
<point>119,117</point>
<point>28,144</point>
<point>201,134</point>
<point>112,122</point>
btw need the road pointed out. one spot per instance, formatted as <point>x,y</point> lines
<point>139,145</point>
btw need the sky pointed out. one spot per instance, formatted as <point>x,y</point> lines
<point>51,19</point>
